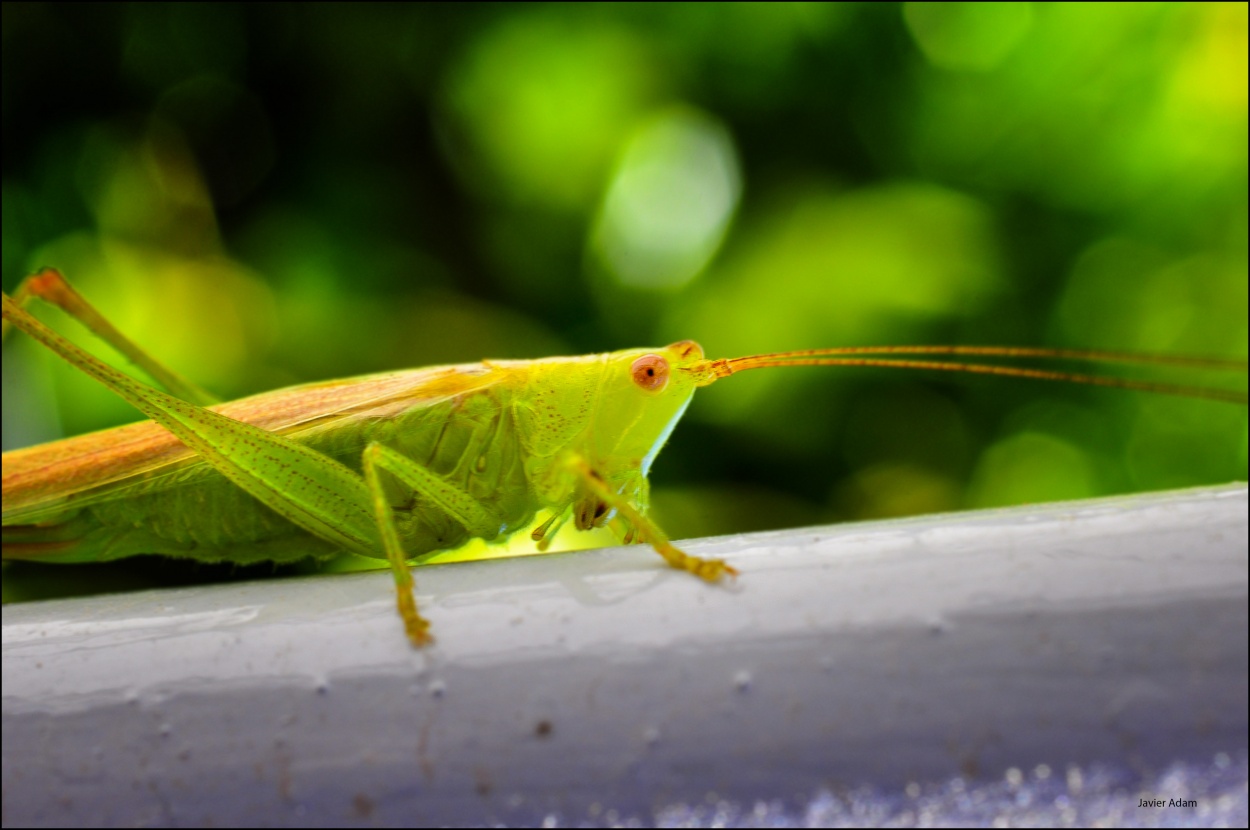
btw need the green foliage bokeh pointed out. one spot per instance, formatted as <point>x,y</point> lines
<point>264,195</point>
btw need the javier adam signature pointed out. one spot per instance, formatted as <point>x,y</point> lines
<point>1168,802</point>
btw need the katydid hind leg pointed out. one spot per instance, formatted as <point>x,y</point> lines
<point>711,570</point>
<point>50,286</point>
<point>306,487</point>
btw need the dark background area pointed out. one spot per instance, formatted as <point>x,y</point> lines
<point>264,195</point>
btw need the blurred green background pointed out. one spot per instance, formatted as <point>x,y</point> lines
<point>266,194</point>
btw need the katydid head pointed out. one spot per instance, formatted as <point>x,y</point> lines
<point>644,393</point>
<point>613,411</point>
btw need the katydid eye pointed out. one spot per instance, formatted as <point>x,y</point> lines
<point>650,372</point>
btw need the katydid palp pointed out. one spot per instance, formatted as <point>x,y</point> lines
<point>400,465</point>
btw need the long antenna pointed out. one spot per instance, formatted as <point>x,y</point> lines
<point>709,371</point>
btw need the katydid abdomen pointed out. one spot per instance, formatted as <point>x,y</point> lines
<point>184,507</point>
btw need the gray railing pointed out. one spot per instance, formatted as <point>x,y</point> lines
<point>1110,631</point>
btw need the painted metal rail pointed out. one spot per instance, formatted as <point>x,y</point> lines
<point>568,686</point>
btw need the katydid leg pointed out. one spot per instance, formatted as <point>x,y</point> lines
<point>306,487</point>
<point>449,498</point>
<point>710,570</point>
<point>415,626</point>
<point>48,285</point>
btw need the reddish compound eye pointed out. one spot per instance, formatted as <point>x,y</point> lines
<point>650,372</point>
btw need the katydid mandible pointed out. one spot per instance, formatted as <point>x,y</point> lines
<point>400,465</point>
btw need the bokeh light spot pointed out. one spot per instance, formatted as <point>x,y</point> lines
<point>1031,467</point>
<point>541,106</point>
<point>669,202</point>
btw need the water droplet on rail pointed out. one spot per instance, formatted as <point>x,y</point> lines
<point>742,681</point>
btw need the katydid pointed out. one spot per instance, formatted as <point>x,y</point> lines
<point>399,465</point>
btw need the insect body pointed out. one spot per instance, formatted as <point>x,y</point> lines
<point>498,433</point>
<point>395,466</point>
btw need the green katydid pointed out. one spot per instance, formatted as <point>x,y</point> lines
<point>400,465</point>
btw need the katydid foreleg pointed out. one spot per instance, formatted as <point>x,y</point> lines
<point>710,570</point>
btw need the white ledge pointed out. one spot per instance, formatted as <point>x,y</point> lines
<point>965,644</point>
